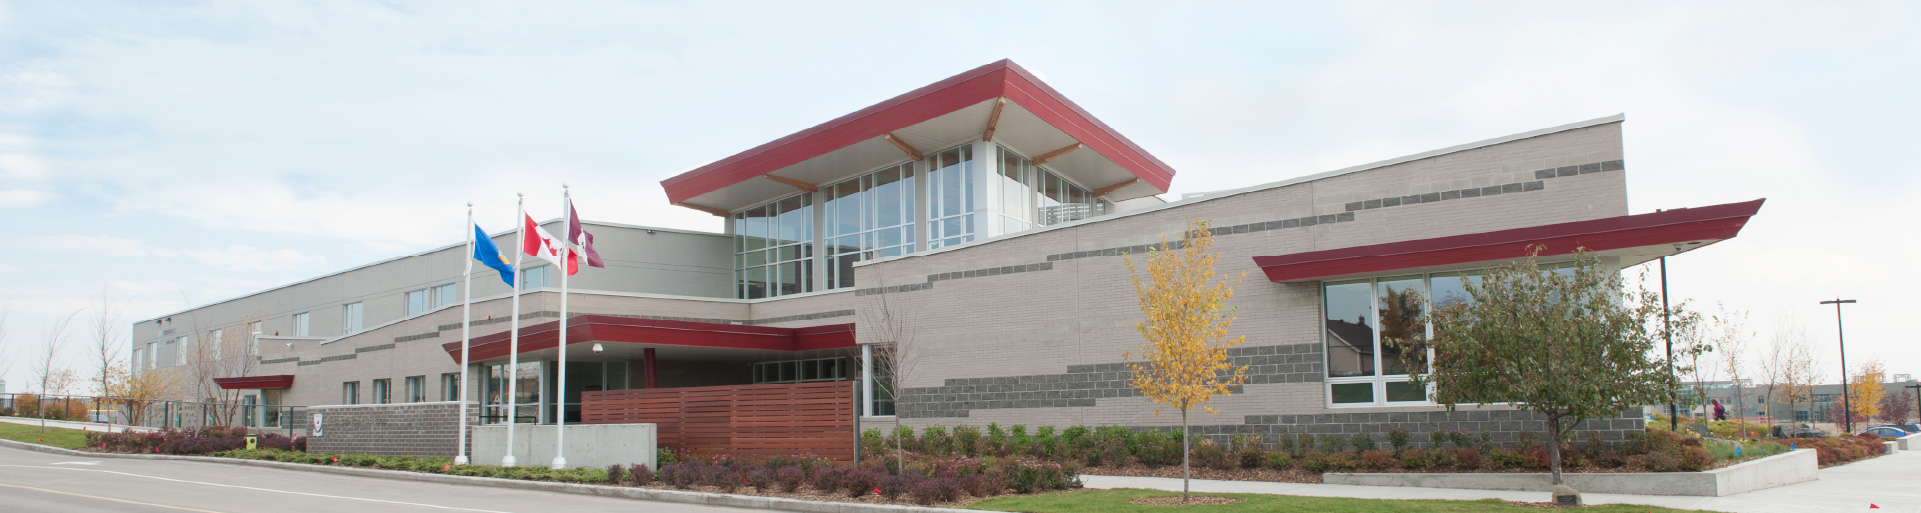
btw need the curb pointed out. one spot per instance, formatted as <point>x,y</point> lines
<point>645,494</point>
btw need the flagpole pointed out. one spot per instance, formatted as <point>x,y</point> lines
<point>513,330</point>
<point>466,320</point>
<point>560,412</point>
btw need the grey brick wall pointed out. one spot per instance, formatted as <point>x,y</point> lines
<point>416,429</point>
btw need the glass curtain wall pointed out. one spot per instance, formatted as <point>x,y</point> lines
<point>773,246</point>
<point>950,197</point>
<point>1061,201</point>
<point>868,217</point>
<point>1016,191</point>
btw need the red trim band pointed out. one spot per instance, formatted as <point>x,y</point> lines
<point>1002,78</point>
<point>254,382</point>
<point>1713,223</point>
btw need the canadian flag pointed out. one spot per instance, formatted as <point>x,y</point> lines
<point>537,242</point>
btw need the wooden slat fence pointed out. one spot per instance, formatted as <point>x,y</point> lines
<point>741,420</point>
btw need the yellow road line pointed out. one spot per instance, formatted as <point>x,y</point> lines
<point>107,498</point>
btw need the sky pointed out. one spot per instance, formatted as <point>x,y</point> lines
<point>161,155</point>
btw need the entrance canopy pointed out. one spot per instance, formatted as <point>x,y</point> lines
<point>1000,102</point>
<point>1633,239</point>
<point>255,382</point>
<point>623,334</point>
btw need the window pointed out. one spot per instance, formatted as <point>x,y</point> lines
<point>180,351</point>
<point>537,277</point>
<point>950,197</point>
<point>526,401</point>
<point>418,302</point>
<point>773,248</point>
<point>382,391</point>
<point>867,217</point>
<point>1367,326</point>
<point>1061,201</point>
<point>153,354</point>
<point>450,386</point>
<point>444,295</point>
<point>417,389</point>
<point>214,344</point>
<point>350,318</point>
<point>796,371</point>
<point>253,342</point>
<point>1016,191</point>
<point>270,401</point>
<point>139,361</point>
<point>350,392</point>
<point>302,328</point>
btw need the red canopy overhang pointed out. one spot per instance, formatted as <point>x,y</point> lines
<point>1002,78</point>
<point>1659,229</point>
<point>255,382</point>
<point>601,328</point>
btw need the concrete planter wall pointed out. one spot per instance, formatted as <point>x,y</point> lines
<point>1784,469</point>
<point>1909,443</point>
<point>588,445</point>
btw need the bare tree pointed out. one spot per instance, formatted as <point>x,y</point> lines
<point>889,318</point>
<point>226,352</point>
<point>1804,371</point>
<point>107,344</point>
<point>1774,363</point>
<point>1731,338</point>
<point>1692,344</point>
<point>46,367</point>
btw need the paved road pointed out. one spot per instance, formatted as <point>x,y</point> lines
<point>1887,482</point>
<point>89,426</point>
<point>40,482</point>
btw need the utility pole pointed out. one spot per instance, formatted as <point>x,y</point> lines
<point>1847,402</point>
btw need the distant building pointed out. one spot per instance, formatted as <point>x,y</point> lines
<point>1754,400</point>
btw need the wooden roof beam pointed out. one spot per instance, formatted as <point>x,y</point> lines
<point>797,184</point>
<point>994,119</point>
<point>1111,188</point>
<point>911,152</point>
<point>1050,156</point>
<point>710,210</point>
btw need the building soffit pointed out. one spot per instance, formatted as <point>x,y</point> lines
<point>1033,118</point>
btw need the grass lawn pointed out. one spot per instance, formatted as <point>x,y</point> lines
<point>57,437</point>
<point>1117,500</point>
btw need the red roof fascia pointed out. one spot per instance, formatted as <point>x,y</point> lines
<point>253,382</point>
<point>599,328</point>
<point>1002,78</point>
<point>1668,227</point>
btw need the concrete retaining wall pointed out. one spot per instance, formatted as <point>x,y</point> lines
<point>588,445</point>
<point>1794,467</point>
<point>1910,442</point>
<point>409,429</point>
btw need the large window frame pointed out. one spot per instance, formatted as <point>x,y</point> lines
<point>801,371</point>
<point>1381,378</point>
<point>772,240</point>
<point>303,324</point>
<point>1040,197</point>
<point>352,318</point>
<point>867,217</point>
<point>951,197</point>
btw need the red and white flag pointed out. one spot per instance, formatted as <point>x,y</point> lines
<point>539,244</point>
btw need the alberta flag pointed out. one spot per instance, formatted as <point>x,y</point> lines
<point>489,255</point>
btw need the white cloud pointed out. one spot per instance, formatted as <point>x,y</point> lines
<point>24,198</point>
<point>242,258</point>
<point>22,166</point>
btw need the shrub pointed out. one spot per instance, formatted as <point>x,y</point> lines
<point>1332,443</point>
<point>830,480</point>
<point>1046,443</point>
<point>1592,450</point>
<point>1156,448</point>
<point>1249,451</point>
<point>871,442</point>
<point>1341,462</point>
<point>762,479</point>
<point>1415,459</point>
<point>1468,459</point>
<point>1436,438</point>
<point>724,477</point>
<point>1460,439</point>
<point>967,440</point>
<point>1500,458</point>
<point>1635,442</point>
<point>935,440</point>
<point>1661,461</point>
<point>977,486</point>
<point>1695,458</point>
<point>936,490</point>
<point>1483,439</point>
<point>1280,460</point>
<point>1378,460</point>
<point>1529,439</point>
<point>1398,438</point>
<point>640,475</point>
<point>903,439</point>
<point>1315,461</point>
<point>862,482</point>
<point>1209,454</point>
<point>1442,458</point>
<point>1285,444</point>
<point>892,486</point>
<point>1077,442</point>
<point>614,474</point>
<point>1361,442</point>
<point>997,443</point>
<point>790,478</point>
<point>1302,443</point>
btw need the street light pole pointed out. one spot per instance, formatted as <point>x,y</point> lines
<point>1847,402</point>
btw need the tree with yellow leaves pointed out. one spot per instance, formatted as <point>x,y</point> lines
<point>1867,389</point>
<point>1185,361</point>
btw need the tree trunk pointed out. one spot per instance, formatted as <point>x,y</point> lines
<point>1184,452</point>
<point>1554,447</point>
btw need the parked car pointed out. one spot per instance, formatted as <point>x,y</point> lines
<point>1797,431</point>
<point>1887,431</point>
<point>1910,428</point>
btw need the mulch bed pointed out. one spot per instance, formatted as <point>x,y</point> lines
<point>810,494</point>
<point>1240,474</point>
<point>1175,500</point>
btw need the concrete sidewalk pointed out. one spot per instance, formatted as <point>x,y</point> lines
<point>1888,481</point>
<point>89,426</point>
